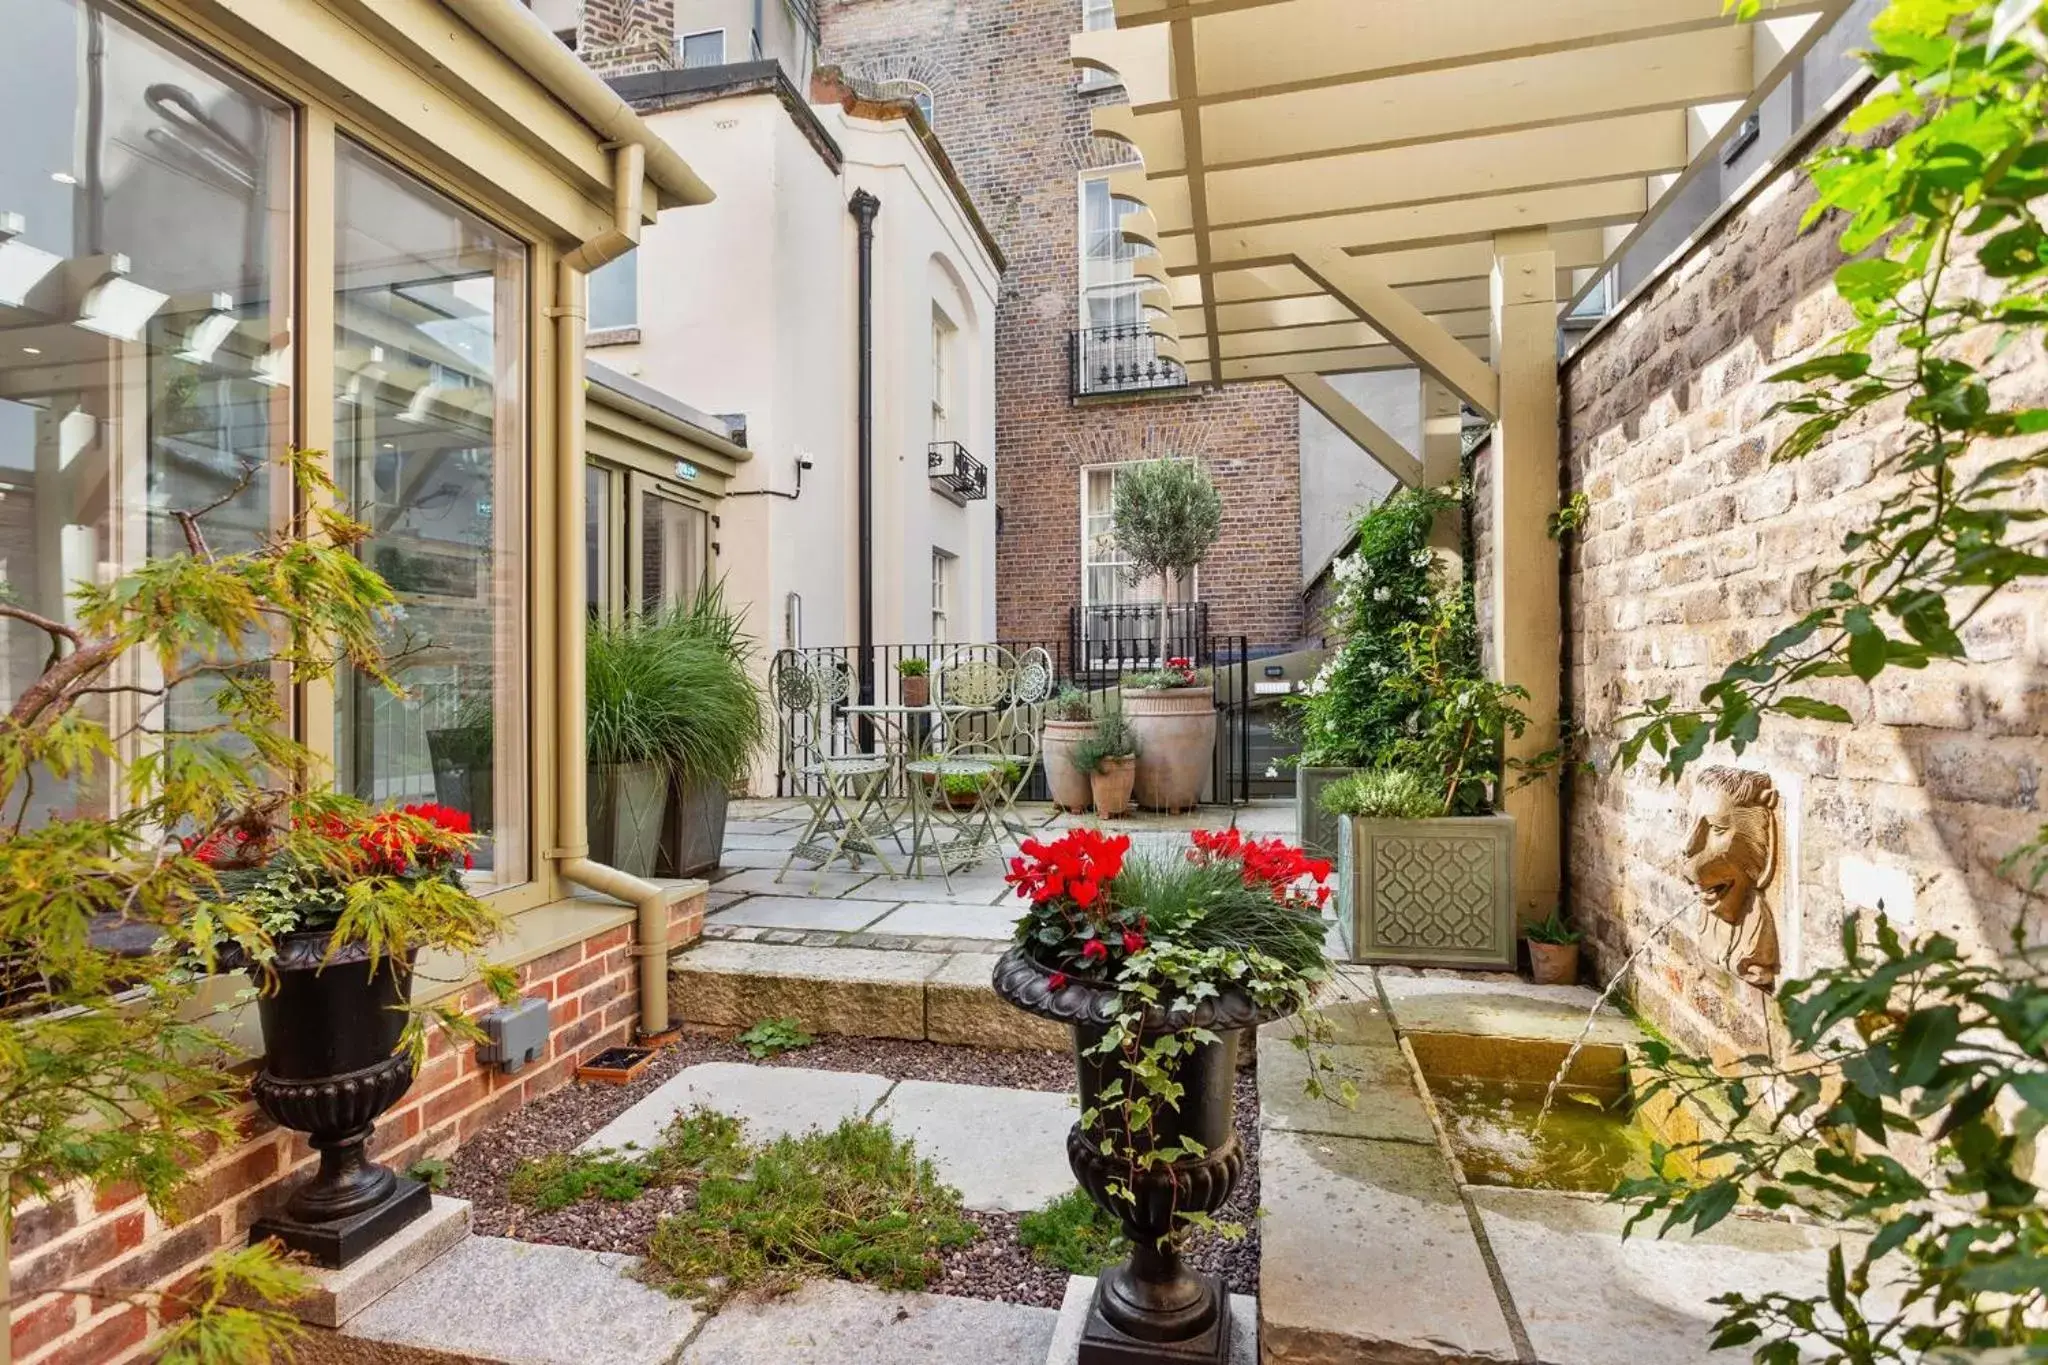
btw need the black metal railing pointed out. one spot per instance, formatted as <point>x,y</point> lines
<point>1132,636</point>
<point>1123,358</point>
<point>952,470</point>
<point>801,732</point>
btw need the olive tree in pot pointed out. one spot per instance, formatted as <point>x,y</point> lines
<point>1167,516</point>
<point>1424,858</point>
<point>1069,719</point>
<point>720,721</point>
<point>1109,755</point>
<point>108,929</point>
<point>1159,964</point>
<point>1389,579</point>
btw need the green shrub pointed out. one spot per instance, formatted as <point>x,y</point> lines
<point>1070,703</point>
<point>773,1037</point>
<point>913,668</point>
<point>1384,794</point>
<point>694,1145</point>
<point>1072,1234</point>
<point>856,1202</point>
<point>1555,930</point>
<point>675,688</point>
<point>1113,738</point>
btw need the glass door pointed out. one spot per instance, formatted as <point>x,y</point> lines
<point>673,547</point>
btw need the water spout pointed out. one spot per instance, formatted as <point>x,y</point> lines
<point>1593,1015</point>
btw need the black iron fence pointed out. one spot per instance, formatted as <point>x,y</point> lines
<point>804,732</point>
<point>1120,359</point>
<point>1131,637</point>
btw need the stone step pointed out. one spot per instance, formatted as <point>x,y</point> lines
<point>860,992</point>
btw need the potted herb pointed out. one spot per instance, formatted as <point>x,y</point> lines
<point>1346,716</point>
<point>1172,711</point>
<point>1423,856</point>
<point>1069,719</point>
<point>914,680</point>
<point>1553,951</point>
<point>1109,755</point>
<point>343,899</point>
<point>1159,964</point>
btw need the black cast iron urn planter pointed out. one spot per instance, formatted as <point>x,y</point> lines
<point>1150,1309</point>
<point>331,1066</point>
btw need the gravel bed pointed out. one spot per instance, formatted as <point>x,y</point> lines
<point>994,1266</point>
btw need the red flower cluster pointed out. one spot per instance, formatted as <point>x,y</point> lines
<point>1075,866</point>
<point>425,837</point>
<point>235,846</point>
<point>1273,863</point>
<point>1184,666</point>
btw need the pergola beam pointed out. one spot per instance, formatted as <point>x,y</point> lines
<point>1407,327</point>
<point>1374,439</point>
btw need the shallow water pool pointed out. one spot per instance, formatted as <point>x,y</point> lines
<point>1586,1142</point>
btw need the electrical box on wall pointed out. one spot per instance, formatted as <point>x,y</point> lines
<point>518,1034</point>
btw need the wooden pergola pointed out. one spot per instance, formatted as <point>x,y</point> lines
<point>1335,186</point>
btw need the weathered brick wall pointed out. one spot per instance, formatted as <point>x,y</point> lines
<point>1699,548</point>
<point>110,1242</point>
<point>1010,114</point>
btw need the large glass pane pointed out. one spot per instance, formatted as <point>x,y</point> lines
<point>430,442</point>
<point>675,551</point>
<point>597,538</point>
<point>145,326</point>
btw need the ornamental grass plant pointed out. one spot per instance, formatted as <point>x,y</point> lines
<point>675,689</point>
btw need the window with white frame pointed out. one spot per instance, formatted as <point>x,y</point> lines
<point>943,333</point>
<point>1104,566</point>
<point>1110,285</point>
<point>704,49</point>
<point>943,565</point>
<point>1097,14</point>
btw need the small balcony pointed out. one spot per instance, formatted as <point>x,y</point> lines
<point>954,473</point>
<point>1120,359</point>
<point>1106,639</point>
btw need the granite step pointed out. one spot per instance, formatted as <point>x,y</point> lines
<point>859,992</point>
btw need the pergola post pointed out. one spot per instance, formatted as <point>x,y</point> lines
<point>1527,624</point>
<point>1442,432</point>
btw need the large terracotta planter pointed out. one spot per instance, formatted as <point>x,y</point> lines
<point>1428,892</point>
<point>1318,827</point>
<point>331,1065</point>
<point>1176,730</point>
<point>1064,778</point>
<point>1111,784</point>
<point>1149,1307</point>
<point>627,804</point>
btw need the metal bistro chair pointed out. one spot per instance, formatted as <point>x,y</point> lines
<point>1021,734</point>
<point>845,792</point>
<point>972,688</point>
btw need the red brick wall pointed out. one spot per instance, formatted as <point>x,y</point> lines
<point>1008,110</point>
<point>111,1242</point>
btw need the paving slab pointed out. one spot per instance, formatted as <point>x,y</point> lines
<point>1389,1106</point>
<point>770,859</point>
<point>1588,1298</point>
<point>335,1296</point>
<point>938,920</point>
<point>791,827</point>
<point>1367,1254</point>
<point>1066,1342</point>
<point>960,1006</point>
<point>968,889</point>
<point>1002,1149</point>
<point>799,912</point>
<point>864,992</point>
<point>1498,1006</point>
<point>833,881</point>
<point>523,1303</point>
<point>775,837</point>
<point>770,1100</point>
<point>832,1322</point>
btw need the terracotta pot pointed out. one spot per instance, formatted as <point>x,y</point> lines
<point>916,689</point>
<point>1554,964</point>
<point>1111,786</point>
<point>1176,730</point>
<point>1065,778</point>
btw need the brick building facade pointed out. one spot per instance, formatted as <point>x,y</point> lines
<point>1013,117</point>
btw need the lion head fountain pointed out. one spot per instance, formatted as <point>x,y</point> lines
<point>1731,857</point>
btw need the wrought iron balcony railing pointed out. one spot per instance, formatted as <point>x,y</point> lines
<point>955,473</point>
<point>1123,358</point>
<point>1121,637</point>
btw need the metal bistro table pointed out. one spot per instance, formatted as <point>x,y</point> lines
<point>926,746</point>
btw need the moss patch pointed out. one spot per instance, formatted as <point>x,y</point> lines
<point>1073,1235</point>
<point>697,1144</point>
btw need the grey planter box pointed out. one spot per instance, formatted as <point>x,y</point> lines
<point>1318,827</point>
<point>1428,892</point>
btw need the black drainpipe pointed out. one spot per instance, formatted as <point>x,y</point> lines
<point>864,206</point>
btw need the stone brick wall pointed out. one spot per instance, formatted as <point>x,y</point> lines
<point>1699,548</point>
<point>1009,111</point>
<point>110,1242</point>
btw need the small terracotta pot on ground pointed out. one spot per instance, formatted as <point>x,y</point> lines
<point>1176,729</point>
<point>1111,786</point>
<point>1554,964</point>
<point>1065,778</point>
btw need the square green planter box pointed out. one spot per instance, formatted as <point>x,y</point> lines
<point>1436,893</point>
<point>1318,827</point>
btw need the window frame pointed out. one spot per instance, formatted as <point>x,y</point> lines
<point>945,569</point>
<point>1131,286</point>
<point>1092,79</point>
<point>683,46</point>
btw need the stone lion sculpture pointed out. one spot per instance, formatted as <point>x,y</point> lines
<point>1731,857</point>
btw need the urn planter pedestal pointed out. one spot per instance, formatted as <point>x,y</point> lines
<point>1064,777</point>
<point>1176,730</point>
<point>1150,1309</point>
<point>1436,893</point>
<point>331,1066</point>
